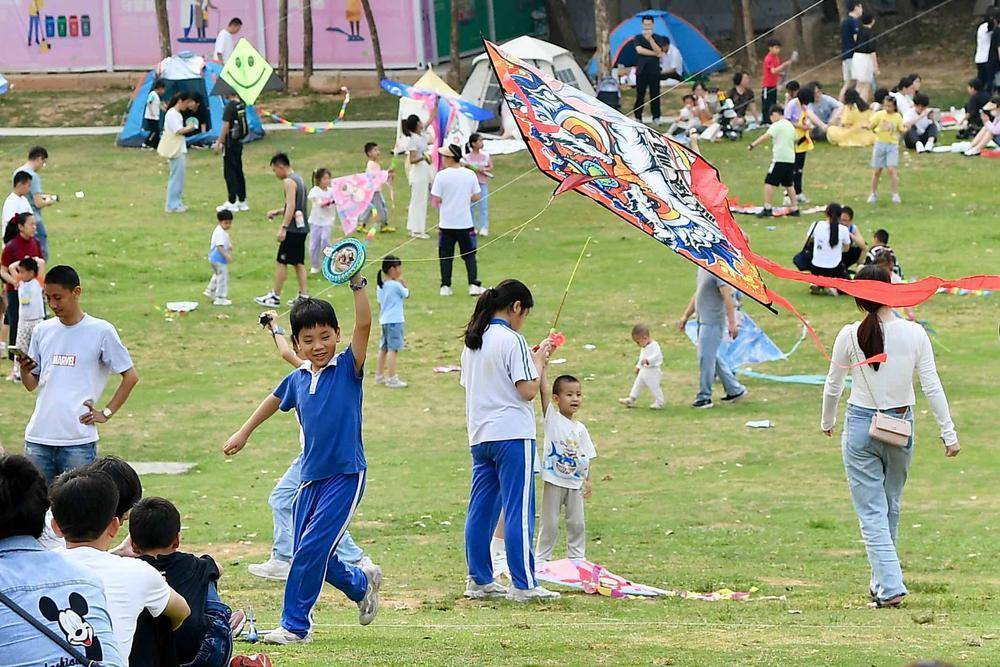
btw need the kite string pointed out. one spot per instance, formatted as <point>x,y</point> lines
<point>555,322</point>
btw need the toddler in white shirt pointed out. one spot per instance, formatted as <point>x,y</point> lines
<point>648,370</point>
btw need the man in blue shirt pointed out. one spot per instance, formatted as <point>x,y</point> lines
<point>848,31</point>
<point>326,395</point>
<point>64,596</point>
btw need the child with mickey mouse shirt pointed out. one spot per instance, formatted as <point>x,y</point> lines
<point>567,452</point>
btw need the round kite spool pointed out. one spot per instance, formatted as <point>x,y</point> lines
<point>343,260</point>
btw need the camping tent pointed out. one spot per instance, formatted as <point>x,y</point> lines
<point>482,88</point>
<point>191,75</point>
<point>700,56</point>
<point>407,106</point>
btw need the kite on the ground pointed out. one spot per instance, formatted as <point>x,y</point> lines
<point>663,188</point>
<point>352,195</point>
<point>594,579</point>
<point>751,346</point>
<point>246,73</point>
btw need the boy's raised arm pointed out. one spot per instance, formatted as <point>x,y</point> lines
<point>362,323</point>
<point>264,411</point>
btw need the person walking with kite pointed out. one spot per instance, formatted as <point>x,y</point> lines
<point>882,353</point>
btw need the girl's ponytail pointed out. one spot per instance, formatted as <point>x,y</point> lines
<point>388,262</point>
<point>473,138</point>
<point>871,338</point>
<point>833,212</point>
<point>495,299</point>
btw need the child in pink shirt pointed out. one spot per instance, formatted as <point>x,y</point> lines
<point>481,163</point>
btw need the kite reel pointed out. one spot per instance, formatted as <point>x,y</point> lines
<point>343,260</point>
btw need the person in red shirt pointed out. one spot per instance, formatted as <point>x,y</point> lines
<point>18,245</point>
<point>772,67</point>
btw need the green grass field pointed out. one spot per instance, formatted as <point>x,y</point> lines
<point>682,498</point>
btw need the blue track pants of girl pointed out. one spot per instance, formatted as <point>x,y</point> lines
<point>323,510</point>
<point>502,477</point>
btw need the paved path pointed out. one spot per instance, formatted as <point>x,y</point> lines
<point>110,130</point>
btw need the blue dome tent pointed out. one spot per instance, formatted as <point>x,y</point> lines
<point>132,134</point>
<point>700,56</point>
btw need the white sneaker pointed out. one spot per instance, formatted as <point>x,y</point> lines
<point>273,569</point>
<point>476,290</point>
<point>379,379</point>
<point>628,402</point>
<point>484,232</point>
<point>972,152</point>
<point>368,605</point>
<point>220,301</point>
<point>896,199</point>
<point>313,270</point>
<point>209,293</point>
<point>365,562</point>
<point>656,406</point>
<point>801,198</point>
<point>786,201</point>
<point>490,591</point>
<point>531,594</point>
<point>872,198</point>
<point>242,206</point>
<point>283,637</point>
<point>270,300</point>
<point>226,206</point>
<point>395,383</point>
<point>300,297</point>
<point>929,146</point>
<point>445,291</point>
<point>920,147</point>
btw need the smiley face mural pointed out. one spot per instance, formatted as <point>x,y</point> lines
<point>247,71</point>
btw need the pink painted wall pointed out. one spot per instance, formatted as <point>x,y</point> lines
<point>134,42</point>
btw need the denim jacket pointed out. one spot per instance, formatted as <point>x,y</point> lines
<point>66,597</point>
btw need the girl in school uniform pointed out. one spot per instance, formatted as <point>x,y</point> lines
<point>500,374</point>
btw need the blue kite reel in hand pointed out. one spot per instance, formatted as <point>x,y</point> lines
<point>343,260</point>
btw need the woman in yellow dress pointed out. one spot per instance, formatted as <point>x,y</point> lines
<point>852,130</point>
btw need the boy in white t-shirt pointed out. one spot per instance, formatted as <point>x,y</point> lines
<point>648,369</point>
<point>17,201</point>
<point>566,454</point>
<point>84,502</point>
<point>220,256</point>
<point>151,114</point>
<point>31,308</point>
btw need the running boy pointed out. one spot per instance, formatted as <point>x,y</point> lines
<point>220,256</point>
<point>772,68</point>
<point>326,395</point>
<point>566,458</point>
<point>373,154</point>
<point>888,125</point>
<point>648,370</point>
<point>781,173</point>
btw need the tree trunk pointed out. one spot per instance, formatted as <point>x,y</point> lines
<point>307,42</point>
<point>283,40</point>
<point>163,26</point>
<point>738,35</point>
<point>748,35</point>
<point>560,26</point>
<point>805,50</point>
<point>376,45</point>
<point>456,58</point>
<point>601,38</point>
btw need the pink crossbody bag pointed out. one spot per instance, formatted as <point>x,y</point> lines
<point>885,428</point>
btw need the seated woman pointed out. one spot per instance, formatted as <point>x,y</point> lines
<point>990,115</point>
<point>830,239</point>
<point>851,130</point>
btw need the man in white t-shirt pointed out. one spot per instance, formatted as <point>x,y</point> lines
<point>672,63</point>
<point>226,41</point>
<point>68,361</point>
<point>83,512</point>
<point>454,190</point>
<point>17,200</point>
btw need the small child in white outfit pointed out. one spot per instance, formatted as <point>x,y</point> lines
<point>648,370</point>
<point>31,306</point>
<point>220,256</point>
<point>566,454</point>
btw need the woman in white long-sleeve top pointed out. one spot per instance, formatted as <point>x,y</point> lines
<point>876,471</point>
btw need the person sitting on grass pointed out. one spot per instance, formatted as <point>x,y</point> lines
<point>830,240</point>
<point>781,173</point>
<point>922,130</point>
<point>858,247</point>
<point>84,503</point>
<point>205,639</point>
<point>854,118</point>
<point>978,98</point>
<point>990,116</point>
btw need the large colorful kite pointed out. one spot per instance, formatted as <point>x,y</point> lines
<point>661,187</point>
<point>352,196</point>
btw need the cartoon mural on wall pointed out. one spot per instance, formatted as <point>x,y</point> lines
<point>195,18</point>
<point>44,29</point>
<point>352,12</point>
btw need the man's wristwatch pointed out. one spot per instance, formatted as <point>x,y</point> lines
<point>360,284</point>
<point>107,413</point>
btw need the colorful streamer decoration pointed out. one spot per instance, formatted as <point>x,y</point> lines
<point>308,129</point>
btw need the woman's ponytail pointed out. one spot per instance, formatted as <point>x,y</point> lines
<point>495,299</point>
<point>871,338</point>
<point>833,212</point>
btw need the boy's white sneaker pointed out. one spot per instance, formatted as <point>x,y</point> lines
<point>920,147</point>
<point>220,301</point>
<point>656,406</point>
<point>445,291</point>
<point>476,290</point>
<point>379,379</point>
<point>872,198</point>
<point>272,568</point>
<point>283,637</point>
<point>209,293</point>
<point>270,299</point>
<point>242,206</point>
<point>490,591</point>
<point>395,383</point>
<point>628,402</point>
<point>530,595</point>
<point>226,206</point>
<point>896,199</point>
<point>929,146</point>
<point>368,605</point>
<point>972,152</point>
